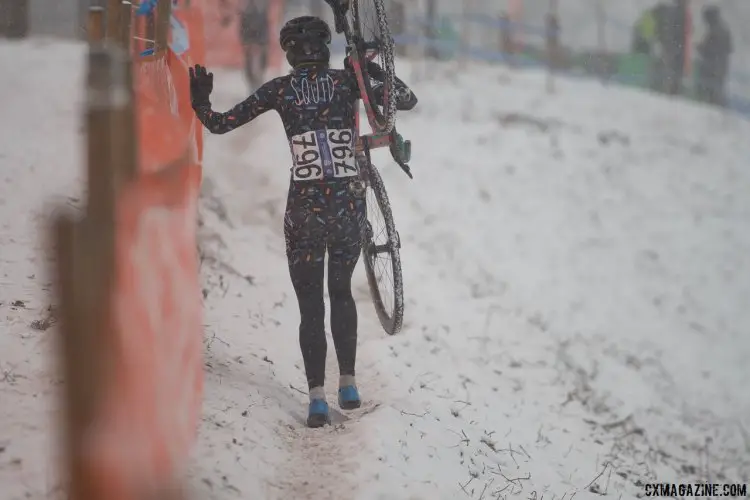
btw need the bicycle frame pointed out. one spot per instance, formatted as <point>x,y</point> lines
<point>400,149</point>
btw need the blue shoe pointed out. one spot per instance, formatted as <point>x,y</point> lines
<point>349,398</point>
<point>317,415</point>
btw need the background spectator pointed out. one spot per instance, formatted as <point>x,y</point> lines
<point>254,38</point>
<point>552,39</point>
<point>713,63</point>
<point>644,33</point>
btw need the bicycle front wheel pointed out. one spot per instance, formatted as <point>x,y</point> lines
<point>371,26</point>
<point>381,252</point>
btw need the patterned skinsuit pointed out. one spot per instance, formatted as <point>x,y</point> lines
<point>325,211</point>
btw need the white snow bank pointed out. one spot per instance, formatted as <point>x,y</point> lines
<point>574,276</point>
<point>574,284</point>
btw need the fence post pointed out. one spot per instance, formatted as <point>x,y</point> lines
<point>126,25</point>
<point>688,40</point>
<point>601,21</point>
<point>95,25</point>
<point>97,297</point>
<point>123,142</point>
<point>430,32</point>
<point>552,35</point>
<point>163,14</point>
<point>465,30</point>
<point>85,271</point>
<point>146,29</point>
<point>113,20</point>
<point>516,14</point>
<point>505,38</point>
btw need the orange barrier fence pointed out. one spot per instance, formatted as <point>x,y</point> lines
<point>128,271</point>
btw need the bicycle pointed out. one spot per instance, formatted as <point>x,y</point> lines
<point>362,48</point>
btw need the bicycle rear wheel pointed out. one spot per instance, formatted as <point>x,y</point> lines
<point>381,252</point>
<point>370,24</point>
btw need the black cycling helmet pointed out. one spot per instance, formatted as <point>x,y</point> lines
<point>305,40</point>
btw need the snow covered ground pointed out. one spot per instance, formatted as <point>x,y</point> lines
<point>576,284</point>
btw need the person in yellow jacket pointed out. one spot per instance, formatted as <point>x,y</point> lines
<point>650,38</point>
<point>644,35</point>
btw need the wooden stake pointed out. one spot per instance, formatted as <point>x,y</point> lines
<point>126,25</point>
<point>113,20</point>
<point>552,46</point>
<point>85,270</point>
<point>163,15</point>
<point>95,25</point>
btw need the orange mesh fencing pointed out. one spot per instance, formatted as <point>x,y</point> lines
<point>132,325</point>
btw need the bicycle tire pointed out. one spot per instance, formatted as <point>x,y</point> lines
<point>385,119</point>
<point>392,321</point>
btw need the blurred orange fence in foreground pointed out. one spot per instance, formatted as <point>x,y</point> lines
<point>128,270</point>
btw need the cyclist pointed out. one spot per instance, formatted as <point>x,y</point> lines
<point>325,208</point>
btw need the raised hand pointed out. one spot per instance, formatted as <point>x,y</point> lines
<point>201,83</point>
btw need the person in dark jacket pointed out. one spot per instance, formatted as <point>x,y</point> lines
<point>325,212</point>
<point>552,40</point>
<point>713,58</point>
<point>254,38</point>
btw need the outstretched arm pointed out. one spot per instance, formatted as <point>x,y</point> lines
<point>201,86</point>
<point>264,99</point>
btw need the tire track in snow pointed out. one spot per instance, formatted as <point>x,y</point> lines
<point>325,463</point>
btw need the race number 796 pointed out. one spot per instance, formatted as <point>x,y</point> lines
<point>308,164</point>
<point>342,151</point>
<point>316,152</point>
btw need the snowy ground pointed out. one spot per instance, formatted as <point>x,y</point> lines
<point>576,285</point>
